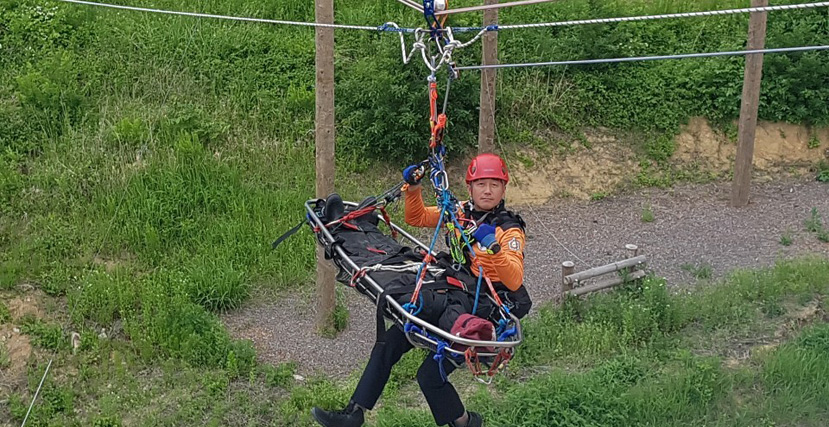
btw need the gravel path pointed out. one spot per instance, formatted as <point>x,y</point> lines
<point>693,225</point>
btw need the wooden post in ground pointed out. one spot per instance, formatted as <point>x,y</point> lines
<point>486,118</point>
<point>741,186</point>
<point>567,268</point>
<point>324,143</point>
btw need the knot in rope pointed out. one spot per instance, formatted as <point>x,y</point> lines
<point>439,357</point>
<point>413,308</point>
<point>410,327</point>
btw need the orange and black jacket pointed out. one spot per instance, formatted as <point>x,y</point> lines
<point>505,267</point>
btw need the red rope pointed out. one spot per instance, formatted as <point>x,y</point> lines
<point>500,362</point>
<point>472,361</point>
<point>388,222</point>
<point>426,260</point>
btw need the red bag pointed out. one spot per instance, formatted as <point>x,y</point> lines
<point>474,328</point>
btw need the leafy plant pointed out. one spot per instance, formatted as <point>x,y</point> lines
<point>5,315</point>
<point>786,238</point>
<point>814,142</point>
<point>814,223</point>
<point>5,359</point>
<point>823,171</point>
<point>281,375</point>
<point>647,214</point>
<point>45,335</point>
<point>700,271</point>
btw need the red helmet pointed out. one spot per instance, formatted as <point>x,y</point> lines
<point>487,165</point>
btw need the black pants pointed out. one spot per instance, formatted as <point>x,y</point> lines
<point>441,396</point>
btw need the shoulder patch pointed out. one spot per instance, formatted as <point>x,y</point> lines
<point>514,245</point>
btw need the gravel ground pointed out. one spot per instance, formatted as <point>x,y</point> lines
<point>693,225</point>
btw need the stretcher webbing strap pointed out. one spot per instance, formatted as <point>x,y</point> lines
<point>387,220</point>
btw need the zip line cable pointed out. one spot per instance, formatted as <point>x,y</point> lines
<point>648,58</point>
<point>392,27</point>
<point>388,28</point>
<point>646,17</point>
<point>383,28</point>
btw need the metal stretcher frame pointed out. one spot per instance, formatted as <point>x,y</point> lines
<point>401,315</point>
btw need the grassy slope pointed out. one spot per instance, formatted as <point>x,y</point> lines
<point>746,351</point>
<point>145,164</point>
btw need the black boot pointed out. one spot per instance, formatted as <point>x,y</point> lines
<point>333,208</point>
<point>351,416</point>
<point>475,420</point>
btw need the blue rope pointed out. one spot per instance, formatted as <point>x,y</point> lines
<point>502,331</point>
<point>389,29</point>
<point>408,306</point>
<point>475,29</point>
<point>478,290</point>
<point>413,308</point>
<point>439,357</point>
<point>410,327</point>
<point>508,333</point>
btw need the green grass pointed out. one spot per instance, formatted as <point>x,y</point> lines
<point>823,171</point>
<point>641,355</point>
<point>786,238</point>
<point>647,214</point>
<point>814,224</point>
<point>5,315</point>
<point>147,162</point>
<point>699,271</point>
<point>598,196</point>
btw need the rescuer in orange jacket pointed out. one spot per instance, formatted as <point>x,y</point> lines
<point>487,178</point>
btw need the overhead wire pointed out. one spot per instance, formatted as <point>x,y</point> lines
<point>648,58</point>
<point>382,28</point>
<point>646,17</point>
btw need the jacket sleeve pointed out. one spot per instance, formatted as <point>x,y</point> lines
<point>509,261</point>
<point>416,212</point>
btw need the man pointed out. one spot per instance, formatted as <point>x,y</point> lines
<point>486,178</point>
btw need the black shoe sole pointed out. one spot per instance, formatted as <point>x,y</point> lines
<point>316,417</point>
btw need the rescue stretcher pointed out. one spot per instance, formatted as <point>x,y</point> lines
<point>493,355</point>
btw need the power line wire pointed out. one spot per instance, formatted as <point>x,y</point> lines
<point>646,17</point>
<point>383,28</point>
<point>648,58</point>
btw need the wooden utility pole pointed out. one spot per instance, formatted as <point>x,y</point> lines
<point>741,186</point>
<point>324,143</point>
<point>486,119</point>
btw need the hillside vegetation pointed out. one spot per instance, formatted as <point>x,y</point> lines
<point>147,161</point>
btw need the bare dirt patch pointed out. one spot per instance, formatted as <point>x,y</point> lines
<point>778,146</point>
<point>585,172</point>
<point>19,349</point>
<point>24,305</point>
<point>610,162</point>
